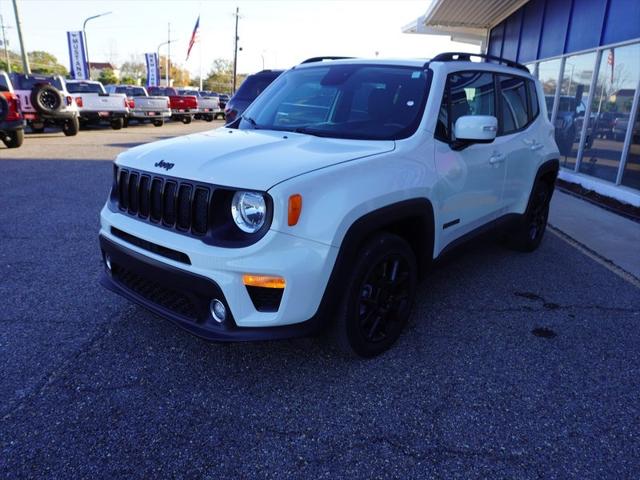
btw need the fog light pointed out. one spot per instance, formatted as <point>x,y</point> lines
<point>218,310</point>
<point>107,262</point>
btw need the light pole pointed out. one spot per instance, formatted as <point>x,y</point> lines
<point>86,43</point>
<point>166,60</point>
<point>23,51</point>
<point>4,43</point>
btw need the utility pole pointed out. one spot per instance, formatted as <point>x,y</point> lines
<point>4,43</point>
<point>25,59</point>
<point>235,52</point>
<point>168,63</point>
<point>86,42</point>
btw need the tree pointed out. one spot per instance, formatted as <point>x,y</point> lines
<point>107,77</point>
<point>40,62</point>
<point>220,77</point>
<point>179,75</point>
<point>132,72</point>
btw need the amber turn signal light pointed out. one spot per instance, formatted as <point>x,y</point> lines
<point>295,208</point>
<point>264,281</point>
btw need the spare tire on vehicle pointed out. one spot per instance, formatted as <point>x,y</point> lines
<point>46,99</point>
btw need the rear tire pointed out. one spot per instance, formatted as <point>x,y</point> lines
<point>117,123</point>
<point>186,120</point>
<point>71,127</point>
<point>209,118</point>
<point>158,123</point>
<point>528,233</point>
<point>378,298</point>
<point>14,139</point>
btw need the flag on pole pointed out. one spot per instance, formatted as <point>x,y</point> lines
<point>193,37</point>
<point>153,69</point>
<point>79,67</point>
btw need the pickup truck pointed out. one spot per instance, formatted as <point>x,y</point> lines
<point>183,107</point>
<point>11,121</point>
<point>44,100</point>
<point>96,105</point>
<point>142,107</point>
<point>208,105</point>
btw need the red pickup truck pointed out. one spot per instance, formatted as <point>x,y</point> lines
<point>11,120</point>
<point>183,107</point>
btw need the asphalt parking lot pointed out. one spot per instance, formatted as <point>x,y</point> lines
<point>95,387</point>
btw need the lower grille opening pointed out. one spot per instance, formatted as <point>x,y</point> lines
<point>152,247</point>
<point>170,299</point>
<point>265,299</point>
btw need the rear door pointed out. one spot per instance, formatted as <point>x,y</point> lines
<point>471,179</point>
<point>519,110</point>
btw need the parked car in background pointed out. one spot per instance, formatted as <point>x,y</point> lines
<point>142,107</point>
<point>11,121</point>
<point>605,122</point>
<point>252,86</point>
<point>183,107</point>
<point>568,121</point>
<point>620,126</point>
<point>95,105</point>
<point>224,99</point>
<point>208,108</point>
<point>45,101</point>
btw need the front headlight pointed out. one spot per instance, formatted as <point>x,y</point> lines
<point>249,211</point>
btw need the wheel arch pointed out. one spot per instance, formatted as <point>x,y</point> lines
<point>412,220</point>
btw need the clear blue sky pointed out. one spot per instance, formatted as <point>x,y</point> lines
<point>281,32</point>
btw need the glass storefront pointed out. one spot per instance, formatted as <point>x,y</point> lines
<point>610,110</point>
<point>616,81</point>
<point>548,73</point>
<point>572,106</point>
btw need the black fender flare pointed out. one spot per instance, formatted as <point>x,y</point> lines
<point>412,217</point>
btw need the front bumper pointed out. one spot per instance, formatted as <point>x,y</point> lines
<point>305,265</point>
<point>181,297</point>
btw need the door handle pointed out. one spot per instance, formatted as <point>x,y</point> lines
<point>496,158</point>
<point>536,146</point>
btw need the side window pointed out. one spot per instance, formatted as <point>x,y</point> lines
<point>471,93</point>
<point>534,109</point>
<point>514,114</point>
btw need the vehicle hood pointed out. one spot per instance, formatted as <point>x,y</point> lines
<point>250,159</point>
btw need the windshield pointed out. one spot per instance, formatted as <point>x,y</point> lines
<point>132,91</point>
<point>376,102</point>
<point>21,82</point>
<point>84,87</point>
<point>254,85</point>
<point>189,92</point>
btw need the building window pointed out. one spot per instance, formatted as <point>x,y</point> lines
<point>615,88</point>
<point>572,106</point>
<point>548,73</point>
<point>631,174</point>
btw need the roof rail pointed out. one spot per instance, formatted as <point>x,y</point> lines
<point>320,59</point>
<point>466,57</point>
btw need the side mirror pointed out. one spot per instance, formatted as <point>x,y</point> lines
<point>475,129</point>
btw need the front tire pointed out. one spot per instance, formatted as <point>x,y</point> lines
<point>14,139</point>
<point>379,296</point>
<point>71,127</point>
<point>527,235</point>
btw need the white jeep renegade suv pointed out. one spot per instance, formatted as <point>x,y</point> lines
<point>325,202</point>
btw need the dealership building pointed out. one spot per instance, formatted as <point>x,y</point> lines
<point>586,54</point>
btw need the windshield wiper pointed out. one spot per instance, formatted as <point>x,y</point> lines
<point>310,131</point>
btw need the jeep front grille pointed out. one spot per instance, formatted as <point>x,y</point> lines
<point>173,203</point>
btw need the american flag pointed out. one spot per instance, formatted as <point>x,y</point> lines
<point>611,60</point>
<point>194,35</point>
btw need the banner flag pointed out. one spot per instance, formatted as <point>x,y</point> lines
<point>153,69</point>
<point>79,69</point>
<point>194,37</point>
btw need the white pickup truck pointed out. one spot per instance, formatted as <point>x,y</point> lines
<point>96,105</point>
<point>208,105</point>
<point>143,107</point>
